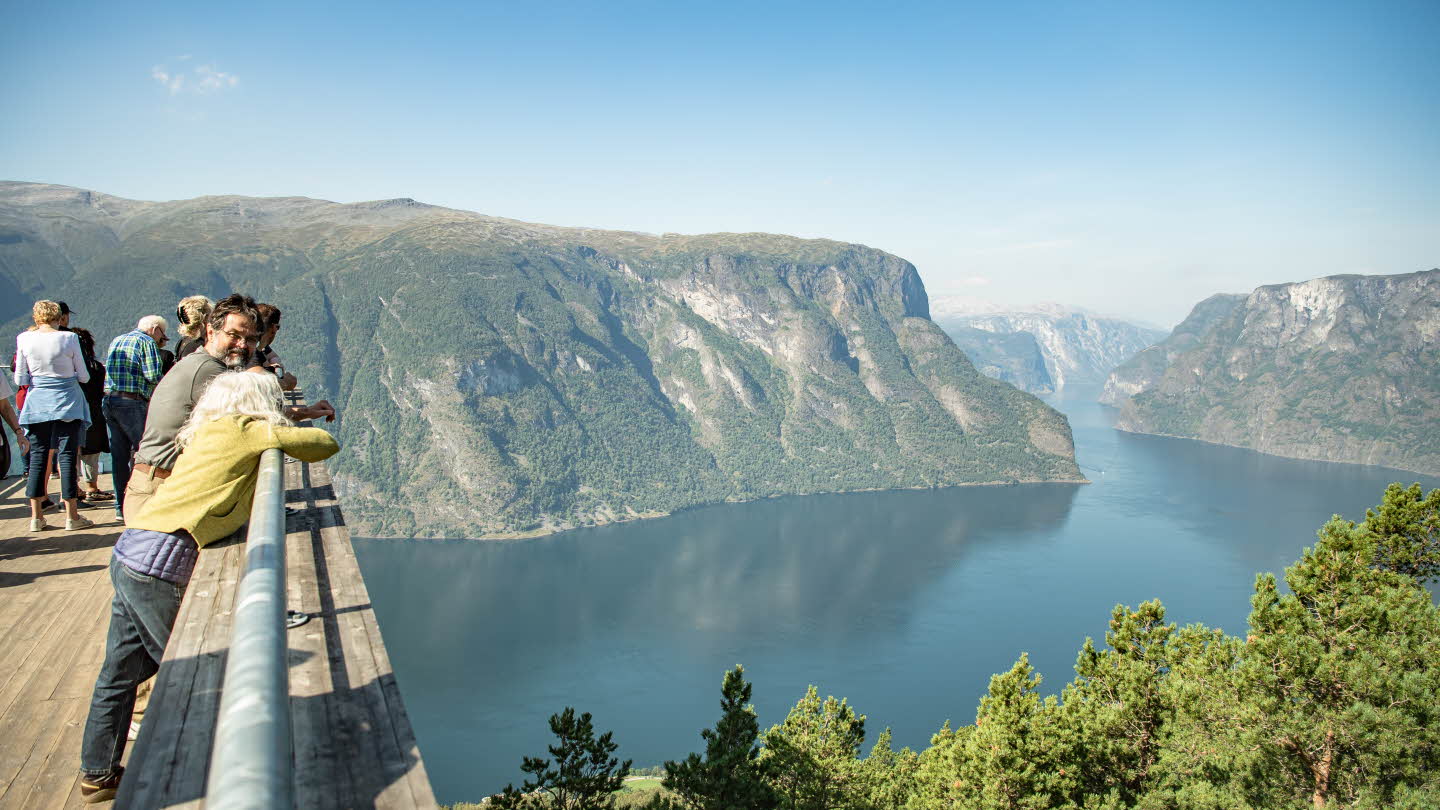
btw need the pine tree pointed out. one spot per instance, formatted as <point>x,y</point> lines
<point>1340,679</point>
<point>583,776</point>
<point>811,759</point>
<point>1116,711</point>
<point>1407,529</point>
<point>1200,753</point>
<point>937,785</point>
<point>888,776</point>
<point>1009,761</point>
<point>729,776</point>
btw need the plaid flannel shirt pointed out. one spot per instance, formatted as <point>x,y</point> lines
<point>133,364</point>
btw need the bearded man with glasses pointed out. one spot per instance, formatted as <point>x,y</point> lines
<point>232,331</point>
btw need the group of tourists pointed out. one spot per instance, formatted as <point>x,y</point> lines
<point>185,435</point>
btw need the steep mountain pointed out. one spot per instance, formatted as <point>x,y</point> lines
<point>1077,347</point>
<point>1140,371</point>
<point>1012,357</point>
<point>498,378</point>
<point>1344,368</point>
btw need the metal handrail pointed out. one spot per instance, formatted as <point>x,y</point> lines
<point>252,765</point>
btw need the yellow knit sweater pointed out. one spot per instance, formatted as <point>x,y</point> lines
<point>210,491</point>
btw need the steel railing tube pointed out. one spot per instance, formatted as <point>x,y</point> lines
<point>252,763</point>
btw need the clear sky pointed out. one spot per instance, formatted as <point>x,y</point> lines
<point>1130,158</point>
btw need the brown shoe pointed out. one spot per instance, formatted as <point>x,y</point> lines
<point>93,791</point>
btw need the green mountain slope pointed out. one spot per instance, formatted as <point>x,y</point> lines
<point>1141,370</point>
<point>1014,357</point>
<point>1345,368</point>
<point>497,377</point>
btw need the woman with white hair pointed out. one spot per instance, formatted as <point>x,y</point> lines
<point>48,360</point>
<point>207,497</point>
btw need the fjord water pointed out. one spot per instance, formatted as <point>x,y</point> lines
<point>903,602</point>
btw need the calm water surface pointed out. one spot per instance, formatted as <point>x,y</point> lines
<point>903,602</point>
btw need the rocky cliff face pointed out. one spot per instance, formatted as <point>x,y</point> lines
<point>1140,371</point>
<point>498,378</point>
<point>1012,357</point>
<point>1077,348</point>
<point>1345,368</point>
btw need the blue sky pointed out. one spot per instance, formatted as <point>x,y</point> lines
<point>1131,158</point>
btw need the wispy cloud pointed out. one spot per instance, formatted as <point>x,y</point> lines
<point>201,80</point>
<point>211,79</point>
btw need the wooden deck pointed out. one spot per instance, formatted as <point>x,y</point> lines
<point>54,611</point>
<point>353,743</point>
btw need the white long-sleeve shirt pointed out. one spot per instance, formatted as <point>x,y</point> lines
<point>48,354</point>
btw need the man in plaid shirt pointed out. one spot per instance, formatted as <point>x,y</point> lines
<point>132,368</point>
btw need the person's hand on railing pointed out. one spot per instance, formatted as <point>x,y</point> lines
<point>318,410</point>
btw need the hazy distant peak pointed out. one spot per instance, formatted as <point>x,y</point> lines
<point>947,306</point>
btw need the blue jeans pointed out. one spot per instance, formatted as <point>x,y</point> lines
<point>141,617</point>
<point>125,419</point>
<point>64,439</point>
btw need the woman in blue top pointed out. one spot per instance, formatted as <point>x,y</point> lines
<point>55,414</point>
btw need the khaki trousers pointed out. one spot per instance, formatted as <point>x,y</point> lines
<point>142,485</point>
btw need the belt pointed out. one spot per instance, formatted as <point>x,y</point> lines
<point>153,472</point>
<point>127,395</point>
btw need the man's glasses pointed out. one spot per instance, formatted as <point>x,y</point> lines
<point>240,337</point>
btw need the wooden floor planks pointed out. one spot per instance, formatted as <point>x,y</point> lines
<point>354,746</point>
<point>54,611</point>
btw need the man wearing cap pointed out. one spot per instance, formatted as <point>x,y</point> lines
<point>133,367</point>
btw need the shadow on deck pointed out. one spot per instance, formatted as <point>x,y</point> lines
<point>353,744</point>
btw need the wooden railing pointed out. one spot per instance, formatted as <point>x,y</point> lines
<point>352,741</point>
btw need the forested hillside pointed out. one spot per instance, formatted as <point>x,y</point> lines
<point>497,378</point>
<point>1343,368</point>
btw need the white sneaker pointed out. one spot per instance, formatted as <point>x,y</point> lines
<point>38,524</point>
<point>78,522</point>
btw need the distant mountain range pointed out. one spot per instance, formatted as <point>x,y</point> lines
<point>1073,346</point>
<point>1343,368</point>
<point>502,378</point>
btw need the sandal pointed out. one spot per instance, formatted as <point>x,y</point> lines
<point>99,495</point>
